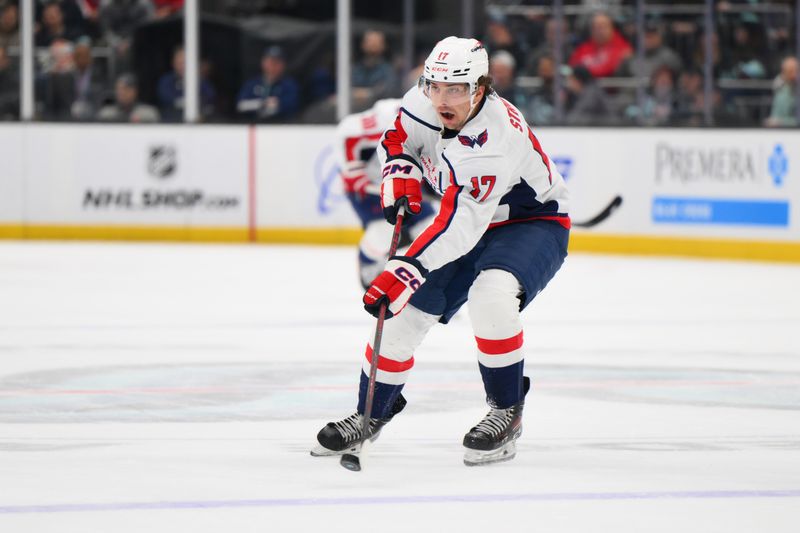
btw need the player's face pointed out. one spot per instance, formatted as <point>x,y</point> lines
<point>451,102</point>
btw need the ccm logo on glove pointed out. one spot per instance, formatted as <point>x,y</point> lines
<point>401,185</point>
<point>394,286</point>
<point>404,275</point>
<point>394,168</point>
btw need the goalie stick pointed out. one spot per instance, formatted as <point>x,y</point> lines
<point>352,461</point>
<point>602,215</point>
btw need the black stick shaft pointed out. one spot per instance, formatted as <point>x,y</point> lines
<point>601,216</point>
<point>376,343</point>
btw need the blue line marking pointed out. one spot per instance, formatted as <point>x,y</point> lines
<point>394,500</point>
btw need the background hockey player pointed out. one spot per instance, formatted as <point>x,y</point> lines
<point>500,236</point>
<point>357,137</point>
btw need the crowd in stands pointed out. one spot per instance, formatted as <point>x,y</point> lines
<point>601,68</point>
<point>597,76</point>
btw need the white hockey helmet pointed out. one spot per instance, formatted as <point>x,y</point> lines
<point>457,60</point>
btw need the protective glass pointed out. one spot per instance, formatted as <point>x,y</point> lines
<point>450,93</point>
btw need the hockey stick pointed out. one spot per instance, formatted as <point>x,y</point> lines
<point>602,215</point>
<point>351,461</point>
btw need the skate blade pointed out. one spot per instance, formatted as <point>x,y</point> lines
<point>321,451</point>
<point>480,457</point>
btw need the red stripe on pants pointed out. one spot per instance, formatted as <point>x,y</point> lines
<point>500,346</point>
<point>389,365</point>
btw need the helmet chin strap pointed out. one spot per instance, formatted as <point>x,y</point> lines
<point>472,103</point>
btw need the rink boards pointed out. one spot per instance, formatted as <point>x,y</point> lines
<point>711,193</point>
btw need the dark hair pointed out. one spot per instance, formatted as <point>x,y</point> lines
<point>128,79</point>
<point>486,81</point>
<point>582,74</point>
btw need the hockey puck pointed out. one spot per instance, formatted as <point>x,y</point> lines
<point>350,462</point>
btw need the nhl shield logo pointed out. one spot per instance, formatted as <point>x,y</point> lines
<point>162,161</point>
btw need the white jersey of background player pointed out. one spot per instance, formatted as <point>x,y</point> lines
<point>500,236</point>
<point>357,138</point>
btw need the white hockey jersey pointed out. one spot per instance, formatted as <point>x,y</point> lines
<point>492,172</point>
<point>357,137</point>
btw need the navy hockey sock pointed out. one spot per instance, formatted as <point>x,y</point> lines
<point>504,386</point>
<point>383,400</point>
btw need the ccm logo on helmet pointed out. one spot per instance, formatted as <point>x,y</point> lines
<point>394,169</point>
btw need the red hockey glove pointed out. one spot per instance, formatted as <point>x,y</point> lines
<point>401,185</point>
<point>356,184</point>
<point>394,286</point>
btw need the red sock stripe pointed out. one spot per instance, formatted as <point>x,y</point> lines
<point>501,346</point>
<point>439,224</point>
<point>389,365</point>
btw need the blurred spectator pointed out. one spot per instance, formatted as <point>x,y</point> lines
<point>53,26</point>
<point>699,55</point>
<point>90,8</point>
<point>127,107</point>
<point>412,77</point>
<point>89,82</point>
<point>656,55</point>
<point>783,111</point>
<point>548,47</point>
<point>166,8</point>
<point>586,101</point>
<point>659,103</point>
<point>742,60</point>
<point>272,96</point>
<point>9,26</point>
<point>9,87</point>
<point>541,108</point>
<point>57,85</point>
<point>373,76</point>
<point>118,19</point>
<point>502,67</point>
<point>321,82</point>
<point>605,50</point>
<point>170,91</point>
<point>499,37</point>
<point>689,102</point>
<point>76,16</point>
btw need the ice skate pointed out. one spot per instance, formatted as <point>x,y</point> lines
<point>344,436</point>
<point>493,440</point>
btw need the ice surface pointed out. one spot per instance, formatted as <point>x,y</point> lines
<point>166,387</point>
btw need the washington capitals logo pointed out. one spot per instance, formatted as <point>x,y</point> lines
<point>480,140</point>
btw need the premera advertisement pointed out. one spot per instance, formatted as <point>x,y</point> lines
<point>714,183</point>
<point>725,184</point>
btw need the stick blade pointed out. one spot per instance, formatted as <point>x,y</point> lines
<point>602,215</point>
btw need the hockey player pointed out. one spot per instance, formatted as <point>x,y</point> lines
<point>357,138</point>
<point>500,236</point>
